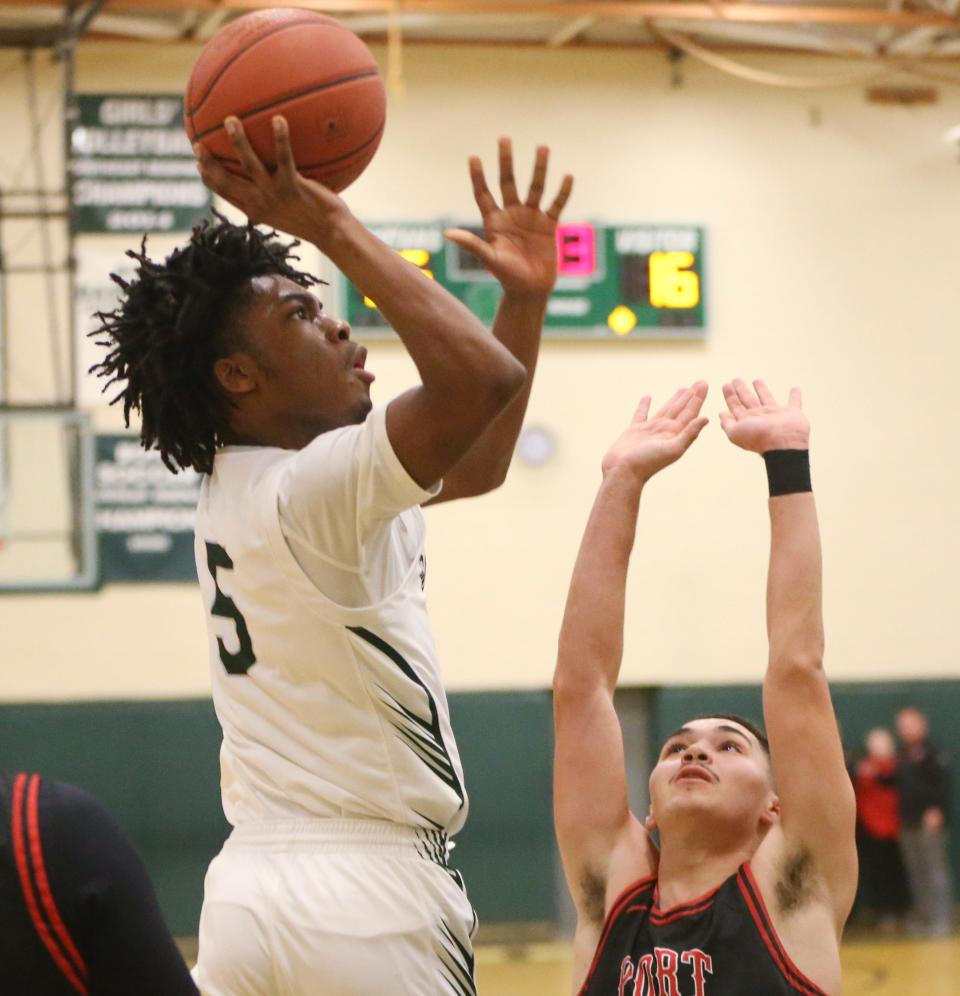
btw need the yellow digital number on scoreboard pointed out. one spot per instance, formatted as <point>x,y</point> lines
<point>420,259</point>
<point>672,283</point>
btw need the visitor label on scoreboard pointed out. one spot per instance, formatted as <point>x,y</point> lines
<point>614,282</point>
<point>131,166</point>
<point>144,514</point>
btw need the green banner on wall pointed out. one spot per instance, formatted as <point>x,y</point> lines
<point>131,166</point>
<point>144,514</point>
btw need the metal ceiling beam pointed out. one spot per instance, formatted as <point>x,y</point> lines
<point>921,39</point>
<point>211,24</point>
<point>32,14</point>
<point>913,42</point>
<point>22,36</point>
<point>633,10</point>
<point>570,31</point>
<point>78,20</point>
<point>139,28</point>
<point>885,32</point>
<point>378,23</point>
<point>800,38</point>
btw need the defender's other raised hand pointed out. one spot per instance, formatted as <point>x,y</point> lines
<point>650,444</point>
<point>520,248</point>
<point>757,423</point>
<point>282,197</point>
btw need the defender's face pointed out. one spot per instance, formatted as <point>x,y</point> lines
<point>312,373</point>
<point>713,769</point>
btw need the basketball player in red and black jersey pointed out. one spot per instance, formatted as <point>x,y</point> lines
<point>756,869</point>
<point>78,911</point>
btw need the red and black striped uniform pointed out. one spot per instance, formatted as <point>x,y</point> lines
<point>722,944</point>
<point>78,913</point>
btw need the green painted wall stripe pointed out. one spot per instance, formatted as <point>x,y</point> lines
<point>155,765</point>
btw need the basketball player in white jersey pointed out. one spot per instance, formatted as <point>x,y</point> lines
<point>339,770</point>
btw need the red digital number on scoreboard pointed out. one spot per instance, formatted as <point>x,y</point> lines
<point>576,250</point>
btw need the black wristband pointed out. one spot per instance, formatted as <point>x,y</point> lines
<point>788,471</point>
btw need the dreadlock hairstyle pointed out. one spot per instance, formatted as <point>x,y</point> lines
<point>174,320</point>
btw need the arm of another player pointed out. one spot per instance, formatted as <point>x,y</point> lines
<point>816,796</point>
<point>593,822</point>
<point>467,376</point>
<point>124,938</point>
<point>520,250</point>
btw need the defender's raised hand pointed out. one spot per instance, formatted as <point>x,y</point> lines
<point>756,422</point>
<point>520,248</point>
<point>650,444</point>
<point>282,198</point>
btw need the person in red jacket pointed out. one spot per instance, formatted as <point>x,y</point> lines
<point>883,895</point>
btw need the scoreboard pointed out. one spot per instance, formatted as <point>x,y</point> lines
<point>614,282</point>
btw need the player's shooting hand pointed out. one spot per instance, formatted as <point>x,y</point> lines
<point>279,197</point>
<point>757,423</point>
<point>650,444</point>
<point>520,244</point>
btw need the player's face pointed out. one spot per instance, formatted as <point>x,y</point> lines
<point>714,770</point>
<point>311,376</point>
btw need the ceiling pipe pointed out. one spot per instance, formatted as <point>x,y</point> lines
<point>630,10</point>
<point>570,31</point>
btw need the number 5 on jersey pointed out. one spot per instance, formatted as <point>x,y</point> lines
<point>224,606</point>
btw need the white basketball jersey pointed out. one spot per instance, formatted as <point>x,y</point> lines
<point>328,710</point>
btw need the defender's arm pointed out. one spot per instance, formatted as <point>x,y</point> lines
<point>818,809</point>
<point>590,782</point>
<point>816,796</point>
<point>593,821</point>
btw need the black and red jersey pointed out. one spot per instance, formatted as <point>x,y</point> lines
<point>78,912</point>
<point>722,944</point>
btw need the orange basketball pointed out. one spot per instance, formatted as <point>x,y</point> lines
<point>315,72</point>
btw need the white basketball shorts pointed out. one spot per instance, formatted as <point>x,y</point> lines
<point>334,908</point>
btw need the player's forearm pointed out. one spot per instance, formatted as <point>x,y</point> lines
<point>591,636</point>
<point>794,587</point>
<point>453,351</point>
<point>518,326</point>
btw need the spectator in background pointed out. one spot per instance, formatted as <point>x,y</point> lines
<point>882,895</point>
<point>923,777</point>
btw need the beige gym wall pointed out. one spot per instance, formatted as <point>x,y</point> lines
<point>832,253</point>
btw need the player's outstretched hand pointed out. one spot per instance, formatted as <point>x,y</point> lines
<point>650,444</point>
<point>520,248</point>
<point>282,197</point>
<point>757,423</point>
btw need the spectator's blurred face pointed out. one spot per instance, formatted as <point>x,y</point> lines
<point>912,726</point>
<point>880,745</point>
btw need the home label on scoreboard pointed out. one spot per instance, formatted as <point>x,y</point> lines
<point>614,282</point>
